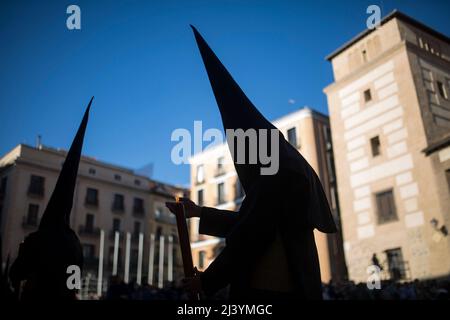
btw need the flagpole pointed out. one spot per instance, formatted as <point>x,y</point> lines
<point>116,253</point>
<point>100,264</point>
<point>161,262</point>
<point>151,259</point>
<point>127,258</point>
<point>139,262</point>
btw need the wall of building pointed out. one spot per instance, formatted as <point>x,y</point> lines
<point>24,161</point>
<point>394,114</point>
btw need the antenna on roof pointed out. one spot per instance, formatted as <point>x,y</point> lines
<point>39,142</point>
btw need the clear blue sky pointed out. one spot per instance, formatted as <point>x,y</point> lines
<point>140,60</point>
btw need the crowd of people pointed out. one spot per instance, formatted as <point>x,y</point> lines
<point>389,290</point>
<point>119,290</point>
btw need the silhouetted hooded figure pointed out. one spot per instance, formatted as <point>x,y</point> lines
<point>6,293</point>
<point>45,255</point>
<point>270,250</point>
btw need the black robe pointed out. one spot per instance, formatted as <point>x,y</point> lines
<point>270,250</point>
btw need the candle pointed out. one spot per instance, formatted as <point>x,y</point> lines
<point>185,245</point>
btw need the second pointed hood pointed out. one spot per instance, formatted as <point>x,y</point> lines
<point>57,212</point>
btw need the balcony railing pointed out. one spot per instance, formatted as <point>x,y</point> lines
<point>135,237</point>
<point>113,232</point>
<point>91,202</point>
<point>89,231</point>
<point>398,272</point>
<point>199,182</point>
<point>118,208</point>
<point>219,172</point>
<point>90,263</point>
<point>37,191</point>
<point>138,210</point>
<point>165,218</point>
<point>220,201</point>
<point>28,223</point>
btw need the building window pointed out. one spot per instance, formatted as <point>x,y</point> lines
<point>292,137</point>
<point>333,198</point>
<point>89,226</point>
<point>158,233</point>
<point>118,203</point>
<point>220,165</point>
<point>137,182</point>
<point>221,193</point>
<point>447,174</point>
<point>91,197</point>
<point>92,171</point>
<point>133,258</point>
<point>367,95</point>
<point>3,183</point>
<point>159,212</point>
<point>111,257</point>
<point>200,197</point>
<point>175,238</point>
<point>36,185</point>
<point>137,228</point>
<point>117,177</point>
<point>239,192</point>
<point>442,90</point>
<point>116,225</point>
<point>201,259</point>
<point>138,206</point>
<point>32,215</point>
<point>88,251</point>
<point>200,173</point>
<point>375,146</point>
<point>386,206</point>
<point>327,136</point>
<point>396,264</point>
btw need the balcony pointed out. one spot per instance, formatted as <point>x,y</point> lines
<point>220,201</point>
<point>138,211</point>
<point>36,191</point>
<point>113,232</point>
<point>88,231</point>
<point>219,172</point>
<point>29,223</point>
<point>91,202</point>
<point>117,208</point>
<point>135,237</point>
<point>90,263</point>
<point>166,218</point>
<point>200,181</point>
<point>397,272</point>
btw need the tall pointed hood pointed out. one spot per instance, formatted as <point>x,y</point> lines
<point>238,112</point>
<point>60,204</point>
